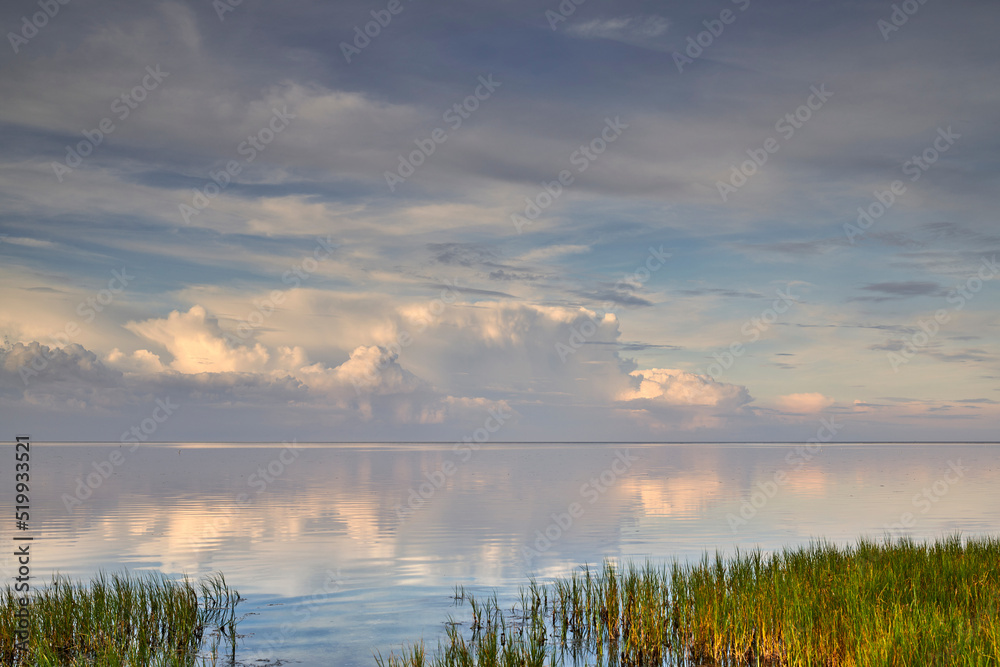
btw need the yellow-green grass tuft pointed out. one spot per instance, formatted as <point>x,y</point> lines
<point>877,604</point>
<point>119,620</point>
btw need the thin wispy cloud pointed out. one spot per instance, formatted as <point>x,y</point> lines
<point>643,31</point>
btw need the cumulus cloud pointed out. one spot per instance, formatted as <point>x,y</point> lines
<point>512,349</point>
<point>370,369</point>
<point>680,388</point>
<point>369,385</point>
<point>805,403</point>
<point>198,345</point>
<point>424,364</point>
<point>433,363</point>
<point>56,364</point>
<point>373,385</point>
<point>666,400</point>
<point>67,377</point>
<point>140,361</point>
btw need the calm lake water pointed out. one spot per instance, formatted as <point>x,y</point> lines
<point>342,550</point>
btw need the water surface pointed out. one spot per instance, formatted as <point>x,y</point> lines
<point>342,550</point>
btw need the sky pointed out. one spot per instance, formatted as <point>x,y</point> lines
<point>395,220</point>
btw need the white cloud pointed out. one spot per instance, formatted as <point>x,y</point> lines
<point>197,345</point>
<point>680,388</point>
<point>805,403</point>
<point>370,369</point>
<point>31,243</point>
<point>431,363</point>
<point>635,30</point>
<point>548,252</point>
<point>513,348</point>
<point>140,362</point>
<point>370,384</point>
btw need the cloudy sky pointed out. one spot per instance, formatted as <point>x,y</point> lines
<point>396,220</point>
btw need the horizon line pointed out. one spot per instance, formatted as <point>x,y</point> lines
<point>524,442</point>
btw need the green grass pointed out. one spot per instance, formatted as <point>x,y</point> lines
<point>877,604</point>
<point>122,620</point>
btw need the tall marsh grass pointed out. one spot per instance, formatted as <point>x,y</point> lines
<point>121,620</point>
<point>894,603</point>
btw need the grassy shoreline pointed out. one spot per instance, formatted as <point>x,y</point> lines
<point>120,620</point>
<point>889,603</point>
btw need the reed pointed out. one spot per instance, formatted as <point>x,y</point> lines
<point>875,604</point>
<point>120,620</point>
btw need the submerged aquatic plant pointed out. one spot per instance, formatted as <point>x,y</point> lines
<point>119,620</point>
<point>874,604</point>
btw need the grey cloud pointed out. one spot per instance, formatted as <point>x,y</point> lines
<point>896,328</point>
<point>976,355</point>
<point>639,347</point>
<point>474,291</point>
<point>910,288</point>
<point>462,254</point>
<point>38,363</point>
<point>616,296</point>
<point>500,274</point>
<point>889,346</point>
<point>717,291</point>
<point>795,248</point>
<point>900,290</point>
